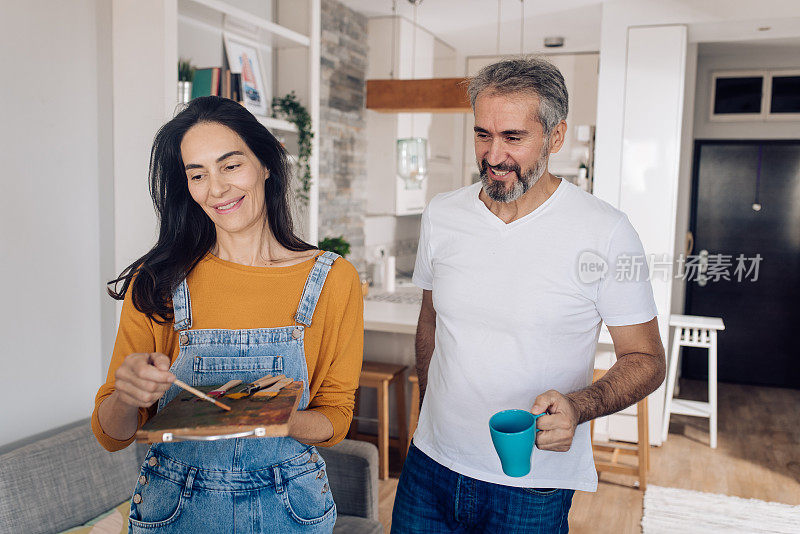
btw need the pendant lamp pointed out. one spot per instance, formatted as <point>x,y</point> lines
<point>412,161</point>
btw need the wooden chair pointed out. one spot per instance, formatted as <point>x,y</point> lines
<point>379,375</point>
<point>413,417</point>
<point>641,450</point>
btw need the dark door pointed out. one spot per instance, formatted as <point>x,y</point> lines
<point>731,181</point>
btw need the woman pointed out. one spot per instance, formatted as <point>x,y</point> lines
<point>229,292</point>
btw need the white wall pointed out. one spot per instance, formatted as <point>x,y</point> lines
<point>741,56</point>
<point>145,51</point>
<point>653,119</point>
<point>678,296</point>
<point>56,149</point>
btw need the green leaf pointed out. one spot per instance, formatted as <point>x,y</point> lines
<point>335,244</point>
<point>290,108</point>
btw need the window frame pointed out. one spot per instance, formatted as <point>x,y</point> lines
<point>740,117</point>
<point>780,116</point>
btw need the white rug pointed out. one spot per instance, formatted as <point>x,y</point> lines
<point>672,510</point>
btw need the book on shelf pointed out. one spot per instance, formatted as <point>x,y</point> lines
<point>206,82</point>
<point>236,87</point>
<point>225,92</point>
<point>216,81</point>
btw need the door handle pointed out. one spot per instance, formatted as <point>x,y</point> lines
<point>702,279</point>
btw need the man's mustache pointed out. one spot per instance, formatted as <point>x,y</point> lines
<point>502,167</point>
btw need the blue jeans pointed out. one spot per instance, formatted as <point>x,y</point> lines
<point>433,499</point>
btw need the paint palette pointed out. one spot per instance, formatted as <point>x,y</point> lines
<point>253,416</point>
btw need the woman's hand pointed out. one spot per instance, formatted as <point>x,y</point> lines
<point>142,379</point>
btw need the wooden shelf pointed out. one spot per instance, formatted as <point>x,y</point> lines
<point>276,124</point>
<point>430,95</point>
<point>270,33</point>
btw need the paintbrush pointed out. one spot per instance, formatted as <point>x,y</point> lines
<point>273,390</point>
<point>261,383</point>
<point>200,394</point>
<point>220,391</point>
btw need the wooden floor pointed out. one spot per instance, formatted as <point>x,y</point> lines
<point>757,456</point>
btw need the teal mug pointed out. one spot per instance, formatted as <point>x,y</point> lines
<point>513,435</point>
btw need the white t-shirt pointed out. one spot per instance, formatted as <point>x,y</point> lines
<point>516,315</point>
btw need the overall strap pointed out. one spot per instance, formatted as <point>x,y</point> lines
<point>314,282</point>
<point>182,307</point>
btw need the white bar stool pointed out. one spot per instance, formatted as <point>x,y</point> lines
<point>694,331</point>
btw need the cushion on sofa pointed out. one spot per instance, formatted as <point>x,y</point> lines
<point>115,521</point>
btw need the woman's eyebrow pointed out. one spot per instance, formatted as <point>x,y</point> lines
<point>221,158</point>
<point>229,154</point>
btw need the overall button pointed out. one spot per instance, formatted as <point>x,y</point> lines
<point>137,499</point>
<point>153,461</point>
<point>314,458</point>
<point>320,474</point>
<point>184,339</point>
<point>142,480</point>
<point>296,333</point>
<point>325,488</point>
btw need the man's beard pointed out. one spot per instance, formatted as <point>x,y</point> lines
<point>496,190</point>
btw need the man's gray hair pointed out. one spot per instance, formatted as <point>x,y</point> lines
<point>527,75</point>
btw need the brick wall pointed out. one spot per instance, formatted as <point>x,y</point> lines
<point>342,168</point>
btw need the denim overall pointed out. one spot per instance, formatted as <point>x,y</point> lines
<point>237,485</point>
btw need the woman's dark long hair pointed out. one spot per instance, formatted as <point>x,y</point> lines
<point>186,233</point>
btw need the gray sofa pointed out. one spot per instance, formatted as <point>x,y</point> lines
<point>52,483</point>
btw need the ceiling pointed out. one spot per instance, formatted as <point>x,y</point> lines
<point>470,26</point>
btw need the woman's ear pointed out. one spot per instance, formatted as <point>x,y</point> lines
<point>266,174</point>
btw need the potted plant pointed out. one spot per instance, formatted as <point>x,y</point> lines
<point>185,76</point>
<point>335,244</point>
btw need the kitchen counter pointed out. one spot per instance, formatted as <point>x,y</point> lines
<point>390,317</point>
<point>393,312</point>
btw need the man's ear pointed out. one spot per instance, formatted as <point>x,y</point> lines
<point>558,136</point>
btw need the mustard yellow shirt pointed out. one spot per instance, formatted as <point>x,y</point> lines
<point>227,295</point>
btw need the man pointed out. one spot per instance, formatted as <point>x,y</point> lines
<point>510,317</point>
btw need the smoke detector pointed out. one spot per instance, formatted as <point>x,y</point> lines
<point>553,42</point>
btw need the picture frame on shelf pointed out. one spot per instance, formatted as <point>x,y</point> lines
<point>245,59</point>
